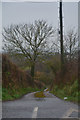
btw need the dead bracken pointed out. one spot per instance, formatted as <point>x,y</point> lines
<point>39,94</point>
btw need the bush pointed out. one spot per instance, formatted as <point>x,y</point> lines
<point>44,77</point>
<point>12,76</point>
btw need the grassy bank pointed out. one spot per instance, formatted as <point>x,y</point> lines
<point>8,94</point>
<point>16,82</point>
<point>0,93</point>
<point>69,91</point>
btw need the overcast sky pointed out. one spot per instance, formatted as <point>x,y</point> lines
<point>27,12</point>
<point>39,0</point>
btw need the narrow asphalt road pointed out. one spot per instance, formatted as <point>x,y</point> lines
<point>31,107</point>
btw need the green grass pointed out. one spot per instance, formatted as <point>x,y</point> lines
<point>0,93</point>
<point>8,94</point>
<point>69,91</point>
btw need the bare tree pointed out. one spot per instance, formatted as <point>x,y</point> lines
<point>71,43</point>
<point>28,39</point>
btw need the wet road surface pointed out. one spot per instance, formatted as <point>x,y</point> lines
<point>31,107</point>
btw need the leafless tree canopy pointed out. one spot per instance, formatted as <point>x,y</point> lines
<point>28,39</point>
<point>71,43</point>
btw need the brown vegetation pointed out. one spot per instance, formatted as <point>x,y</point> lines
<point>12,76</point>
<point>70,74</point>
<point>39,84</point>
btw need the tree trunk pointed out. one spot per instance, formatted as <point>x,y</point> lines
<point>70,50</point>
<point>32,71</point>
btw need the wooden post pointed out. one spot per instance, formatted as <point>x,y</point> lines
<point>61,35</point>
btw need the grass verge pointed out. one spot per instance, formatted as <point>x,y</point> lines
<point>69,91</point>
<point>39,94</point>
<point>0,93</point>
<point>8,94</point>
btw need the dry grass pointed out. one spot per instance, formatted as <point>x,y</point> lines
<point>39,94</point>
<point>12,76</point>
<point>47,89</point>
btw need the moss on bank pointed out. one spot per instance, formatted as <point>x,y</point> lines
<point>8,94</point>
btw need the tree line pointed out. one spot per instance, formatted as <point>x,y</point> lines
<point>33,42</point>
